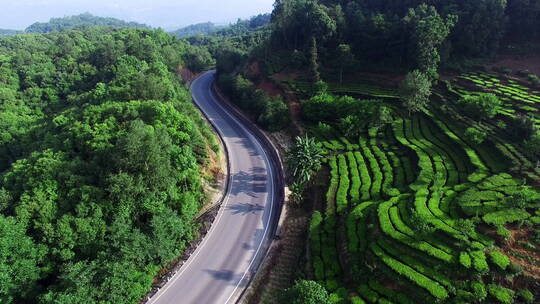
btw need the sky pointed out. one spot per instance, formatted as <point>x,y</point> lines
<point>167,14</point>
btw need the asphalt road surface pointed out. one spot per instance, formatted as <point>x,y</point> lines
<point>218,271</point>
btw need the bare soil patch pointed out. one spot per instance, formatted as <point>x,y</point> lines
<point>529,62</point>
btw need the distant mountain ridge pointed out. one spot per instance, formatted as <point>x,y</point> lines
<point>85,19</point>
<point>7,33</point>
<point>197,29</point>
<point>209,28</point>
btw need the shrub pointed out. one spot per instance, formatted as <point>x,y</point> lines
<point>479,290</point>
<point>275,115</point>
<point>526,295</point>
<point>343,189</point>
<point>334,179</point>
<point>499,259</point>
<point>465,259</point>
<point>318,268</point>
<point>479,261</point>
<point>338,297</point>
<point>364,176</point>
<point>475,135</point>
<point>532,146</point>
<point>305,292</point>
<point>415,91</point>
<point>355,179</point>
<point>357,300</point>
<point>368,293</point>
<point>522,127</point>
<point>505,216</point>
<point>503,232</point>
<point>483,105</point>
<point>501,294</point>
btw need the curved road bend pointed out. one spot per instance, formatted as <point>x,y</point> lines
<point>218,270</point>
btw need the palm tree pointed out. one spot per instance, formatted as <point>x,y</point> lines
<point>304,159</point>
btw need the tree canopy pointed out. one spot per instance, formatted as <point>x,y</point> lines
<point>86,19</point>
<point>101,164</point>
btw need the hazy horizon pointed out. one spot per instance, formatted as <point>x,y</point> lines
<point>167,14</point>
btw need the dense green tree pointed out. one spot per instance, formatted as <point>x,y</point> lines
<point>199,59</point>
<point>306,292</point>
<point>415,91</point>
<point>19,261</point>
<point>484,105</point>
<point>275,114</point>
<point>345,59</point>
<point>428,30</point>
<point>297,22</point>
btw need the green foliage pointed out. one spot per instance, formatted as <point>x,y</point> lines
<point>198,59</point>
<point>272,113</point>
<point>434,288</point>
<point>400,35</point>
<point>499,259</point>
<point>421,224</point>
<point>86,19</point>
<point>526,295</point>
<point>475,135</point>
<point>479,261</point>
<point>415,91</point>
<point>19,261</point>
<point>275,114</point>
<point>532,146</point>
<point>102,153</point>
<point>344,183</point>
<point>305,292</point>
<point>522,127</point>
<point>353,116</point>
<point>482,105</point>
<point>368,293</point>
<point>501,294</point>
<point>479,290</point>
<point>429,30</point>
<point>505,216</point>
<point>465,259</point>
<point>304,159</point>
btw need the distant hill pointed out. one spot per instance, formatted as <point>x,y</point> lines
<point>86,19</point>
<point>209,28</point>
<point>197,29</point>
<point>7,33</point>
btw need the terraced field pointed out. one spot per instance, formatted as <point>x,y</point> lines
<point>415,213</point>
<point>516,95</point>
<point>356,89</point>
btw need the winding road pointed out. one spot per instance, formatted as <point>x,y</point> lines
<point>222,265</point>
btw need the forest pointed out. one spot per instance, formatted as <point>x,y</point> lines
<point>102,161</point>
<point>82,20</point>
<point>414,160</point>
